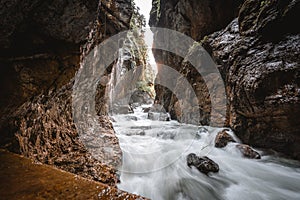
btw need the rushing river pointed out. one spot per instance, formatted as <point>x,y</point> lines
<point>154,164</point>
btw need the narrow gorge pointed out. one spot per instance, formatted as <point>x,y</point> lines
<point>161,99</point>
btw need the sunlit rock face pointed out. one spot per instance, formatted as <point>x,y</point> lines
<point>257,55</point>
<point>41,47</point>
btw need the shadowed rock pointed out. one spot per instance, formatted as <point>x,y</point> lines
<point>203,164</point>
<point>248,152</point>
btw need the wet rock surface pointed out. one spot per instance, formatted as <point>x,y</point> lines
<point>203,164</point>
<point>222,139</point>
<point>248,152</point>
<point>23,179</point>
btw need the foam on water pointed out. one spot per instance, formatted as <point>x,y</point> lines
<point>154,164</point>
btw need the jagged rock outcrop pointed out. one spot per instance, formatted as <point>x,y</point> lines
<point>41,47</point>
<point>257,55</point>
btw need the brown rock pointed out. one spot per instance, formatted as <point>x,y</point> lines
<point>203,164</point>
<point>247,151</point>
<point>222,139</point>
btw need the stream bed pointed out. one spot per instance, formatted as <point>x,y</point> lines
<point>154,163</point>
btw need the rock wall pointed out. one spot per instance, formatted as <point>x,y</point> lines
<point>196,19</point>
<point>41,47</point>
<point>258,57</point>
<point>132,74</point>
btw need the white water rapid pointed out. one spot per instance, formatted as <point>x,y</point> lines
<point>154,164</point>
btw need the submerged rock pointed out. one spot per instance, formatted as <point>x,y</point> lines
<point>122,109</point>
<point>141,97</point>
<point>131,118</point>
<point>136,132</point>
<point>203,164</point>
<point>248,152</point>
<point>222,139</point>
<point>145,110</point>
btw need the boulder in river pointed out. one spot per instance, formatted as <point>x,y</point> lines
<point>248,152</point>
<point>203,164</point>
<point>145,110</point>
<point>222,139</point>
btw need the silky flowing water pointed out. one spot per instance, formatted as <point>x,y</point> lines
<point>154,164</point>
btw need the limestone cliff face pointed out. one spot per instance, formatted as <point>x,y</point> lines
<point>195,19</point>
<point>258,57</point>
<point>41,47</point>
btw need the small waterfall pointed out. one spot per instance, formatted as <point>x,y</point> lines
<point>118,70</point>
